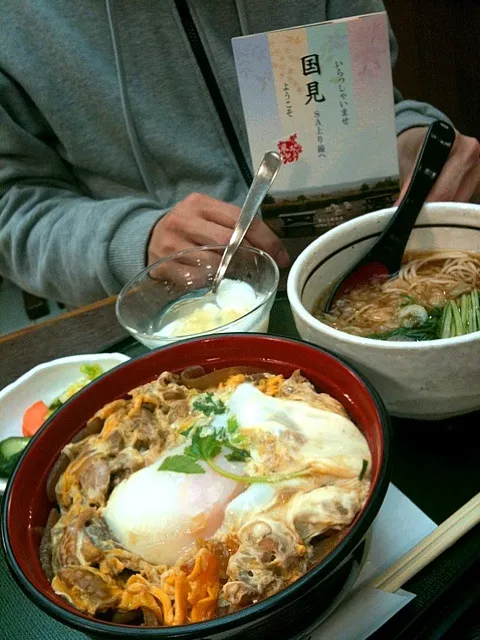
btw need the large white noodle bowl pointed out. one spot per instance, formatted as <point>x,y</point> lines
<point>424,380</point>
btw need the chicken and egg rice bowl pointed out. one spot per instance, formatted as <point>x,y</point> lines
<point>189,501</point>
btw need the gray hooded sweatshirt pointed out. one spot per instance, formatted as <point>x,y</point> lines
<point>107,120</point>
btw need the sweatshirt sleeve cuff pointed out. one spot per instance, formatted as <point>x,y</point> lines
<point>410,114</point>
<point>128,246</point>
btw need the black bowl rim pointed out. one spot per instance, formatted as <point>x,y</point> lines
<point>253,612</point>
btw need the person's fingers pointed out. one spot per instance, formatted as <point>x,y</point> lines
<point>191,256</point>
<point>464,156</point>
<point>404,188</point>
<point>221,213</point>
<point>195,268</point>
<point>261,236</point>
<point>203,232</point>
<point>201,220</point>
<point>447,184</point>
<point>169,241</point>
<point>470,185</point>
<point>458,179</point>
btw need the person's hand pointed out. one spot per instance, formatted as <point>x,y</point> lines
<point>460,178</point>
<point>201,220</point>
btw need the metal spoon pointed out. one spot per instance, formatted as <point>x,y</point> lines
<point>385,257</point>
<point>266,174</point>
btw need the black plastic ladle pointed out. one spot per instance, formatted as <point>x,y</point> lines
<point>385,257</point>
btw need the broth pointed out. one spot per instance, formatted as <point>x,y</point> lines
<point>411,300</point>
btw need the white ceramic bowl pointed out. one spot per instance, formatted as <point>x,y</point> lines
<point>425,380</point>
<point>45,382</point>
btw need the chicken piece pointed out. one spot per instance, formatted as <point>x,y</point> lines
<point>328,507</point>
<point>94,480</point>
<point>146,432</point>
<point>141,428</point>
<point>238,594</point>
<point>149,618</point>
<point>170,397</point>
<point>124,464</point>
<point>269,557</point>
<point>115,441</point>
<point>45,549</point>
<point>85,481</point>
<point>99,534</point>
<point>118,560</point>
<point>86,588</point>
<point>71,544</point>
<point>299,388</point>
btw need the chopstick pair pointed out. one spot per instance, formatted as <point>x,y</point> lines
<point>430,547</point>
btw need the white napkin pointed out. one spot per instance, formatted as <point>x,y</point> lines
<point>399,526</point>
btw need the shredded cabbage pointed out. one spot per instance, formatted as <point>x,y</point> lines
<point>90,372</point>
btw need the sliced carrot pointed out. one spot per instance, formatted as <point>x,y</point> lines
<point>33,418</point>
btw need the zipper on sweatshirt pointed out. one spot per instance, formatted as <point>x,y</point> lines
<point>198,50</point>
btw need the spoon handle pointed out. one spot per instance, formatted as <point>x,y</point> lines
<point>262,182</point>
<point>385,256</point>
<point>431,160</point>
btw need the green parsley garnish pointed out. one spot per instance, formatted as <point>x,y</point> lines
<point>187,431</point>
<point>237,455</point>
<point>204,447</point>
<point>232,424</point>
<point>181,464</point>
<point>207,447</point>
<point>209,405</point>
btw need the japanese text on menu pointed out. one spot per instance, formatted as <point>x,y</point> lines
<point>311,65</point>
<point>342,92</point>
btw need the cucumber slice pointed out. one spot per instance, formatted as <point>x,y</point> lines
<point>10,452</point>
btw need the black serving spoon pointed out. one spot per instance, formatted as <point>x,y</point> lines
<point>385,257</point>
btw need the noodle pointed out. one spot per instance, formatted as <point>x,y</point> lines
<point>428,280</point>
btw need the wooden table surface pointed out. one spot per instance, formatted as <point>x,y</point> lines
<point>85,330</point>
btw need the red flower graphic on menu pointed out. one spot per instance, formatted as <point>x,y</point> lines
<point>290,149</point>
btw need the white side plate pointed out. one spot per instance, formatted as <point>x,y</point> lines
<point>45,382</point>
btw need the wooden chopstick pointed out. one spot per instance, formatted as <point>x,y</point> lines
<point>430,547</point>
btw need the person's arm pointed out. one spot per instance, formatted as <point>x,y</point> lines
<point>55,241</point>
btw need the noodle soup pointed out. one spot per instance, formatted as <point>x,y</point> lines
<point>434,295</point>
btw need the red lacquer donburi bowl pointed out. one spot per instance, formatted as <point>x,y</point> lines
<point>293,610</point>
